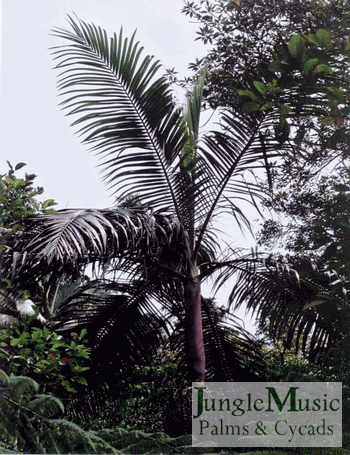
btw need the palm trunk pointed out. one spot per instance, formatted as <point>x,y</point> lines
<point>194,333</point>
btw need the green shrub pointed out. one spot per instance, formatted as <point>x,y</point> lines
<point>56,363</point>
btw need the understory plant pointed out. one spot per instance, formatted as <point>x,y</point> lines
<point>56,363</point>
<point>32,423</point>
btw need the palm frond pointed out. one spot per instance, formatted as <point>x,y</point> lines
<point>224,159</point>
<point>8,308</point>
<point>192,112</point>
<point>305,310</point>
<point>232,353</point>
<point>68,240</point>
<point>128,115</point>
<point>114,314</point>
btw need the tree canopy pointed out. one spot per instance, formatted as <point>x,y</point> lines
<point>288,56</point>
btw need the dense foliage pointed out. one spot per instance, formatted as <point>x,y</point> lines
<point>56,363</point>
<point>18,201</point>
<point>18,198</point>
<point>291,57</point>
<point>32,423</point>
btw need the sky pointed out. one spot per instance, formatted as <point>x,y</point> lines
<point>33,129</point>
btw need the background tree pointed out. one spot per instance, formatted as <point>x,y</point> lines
<point>313,224</point>
<point>18,200</point>
<point>289,56</point>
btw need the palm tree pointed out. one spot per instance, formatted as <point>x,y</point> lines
<point>150,150</point>
<point>304,306</point>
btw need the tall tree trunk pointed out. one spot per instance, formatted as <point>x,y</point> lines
<point>194,333</point>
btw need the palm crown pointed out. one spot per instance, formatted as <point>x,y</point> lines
<point>150,150</point>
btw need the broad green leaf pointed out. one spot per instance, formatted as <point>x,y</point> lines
<point>261,87</point>
<point>323,68</point>
<point>284,110</point>
<point>48,203</point>
<point>9,180</point>
<point>24,338</point>
<point>50,211</point>
<point>46,333</point>
<point>82,381</point>
<point>323,37</point>
<point>43,362</point>
<point>312,38</point>
<point>273,87</point>
<point>252,106</point>
<point>18,183</point>
<point>58,344</point>
<point>296,46</point>
<point>247,93</point>
<point>83,354</point>
<point>67,385</point>
<point>19,166</point>
<point>266,106</point>
<point>310,64</point>
<point>79,369</point>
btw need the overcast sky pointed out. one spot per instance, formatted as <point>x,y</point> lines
<point>33,129</point>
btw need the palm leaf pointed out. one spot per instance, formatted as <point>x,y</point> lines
<point>281,299</point>
<point>149,147</point>
<point>128,116</point>
<point>115,314</point>
<point>192,114</point>
<point>231,352</point>
<point>67,241</point>
<point>225,159</point>
<point>8,308</point>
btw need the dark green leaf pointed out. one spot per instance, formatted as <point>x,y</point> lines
<point>296,46</point>
<point>261,87</point>
<point>19,166</point>
<point>323,37</point>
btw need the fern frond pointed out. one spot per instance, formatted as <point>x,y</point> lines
<point>21,388</point>
<point>4,379</point>
<point>46,405</point>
